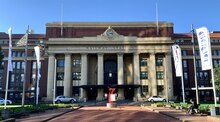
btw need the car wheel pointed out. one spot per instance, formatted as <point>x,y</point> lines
<point>164,100</point>
<point>72,101</point>
<point>58,101</point>
<point>8,102</point>
<point>152,100</point>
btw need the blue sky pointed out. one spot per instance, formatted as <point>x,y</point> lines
<point>36,13</point>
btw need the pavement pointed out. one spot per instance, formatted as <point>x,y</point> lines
<point>173,113</point>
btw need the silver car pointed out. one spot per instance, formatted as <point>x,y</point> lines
<point>156,99</point>
<point>64,99</point>
<point>2,101</point>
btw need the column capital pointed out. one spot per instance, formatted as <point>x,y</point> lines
<point>100,54</point>
<point>85,54</point>
<point>51,54</point>
<point>168,53</point>
<point>119,54</point>
<point>136,53</point>
<point>67,53</point>
<point>152,53</point>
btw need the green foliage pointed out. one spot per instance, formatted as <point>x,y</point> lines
<point>16,110</point>
<point>217,77</point>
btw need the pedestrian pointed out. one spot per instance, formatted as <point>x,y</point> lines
<point>192,107</point>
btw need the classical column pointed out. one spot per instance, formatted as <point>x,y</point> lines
<point>100,94</point>
<point>67,76</point>
<point>100,69</point>
<point>120,76</point>
<point>152,75</point>
<point>168,76</point>
<point>136,75</point>
<point>50,78</point>
<point>84,66</point>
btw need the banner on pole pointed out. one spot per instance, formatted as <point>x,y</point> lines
<point>9,50</point>
<point>204,48</point>
<point>37,52</point>
<point>177,60</point>
<point>22,41</point>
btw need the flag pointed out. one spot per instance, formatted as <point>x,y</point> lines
<point>177,59</point>
<point>204,48</point>
<point>9,50</point>
<point>22,41</point>
<point>37,52</point>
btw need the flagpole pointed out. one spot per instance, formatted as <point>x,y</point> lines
<point>54,82</point>
<point>157,19</point>
<point>25,68</point>
<point>9,68</point>
<point>194,62</point>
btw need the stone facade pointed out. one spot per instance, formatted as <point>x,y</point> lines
<point>110,55</point>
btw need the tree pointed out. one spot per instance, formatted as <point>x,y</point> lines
<point>1,57</point>
<point>217,77</point>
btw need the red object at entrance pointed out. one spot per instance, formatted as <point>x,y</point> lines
<point>110,92</point>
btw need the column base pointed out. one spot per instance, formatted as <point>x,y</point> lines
<point>111,105</point>
<point>47,99</point>
<point>120,98</point>
<point>100,99</point>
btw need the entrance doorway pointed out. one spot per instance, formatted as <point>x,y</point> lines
<point>129,93</point>
<point>92,93</point>
<point>110,72</point>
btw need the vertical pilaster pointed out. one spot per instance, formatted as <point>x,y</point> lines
<point>67,76</point>
<point>120,76</point>
<point>100,94</point>
<point>84,66</point>
<point>168,76</point>
<point>152,75</point>
<point>50,78</point>
<point>100,69</point>
<point>136,74</point>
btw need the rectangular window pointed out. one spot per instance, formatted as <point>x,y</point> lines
<point>33,54</point>
<point>215,63</point>
<point>22,77</point>
<point>60,76</point>
<point>184,63</point>
<point>160,75</point>
<point>60,63</point>
<point>143,62</point>
<point>18,54</point>
<point>184,52</point>
<point>13,53</point>
<point>205,75</point>
<point>12,77</point>
<point>34,65</point>
<point>76,63</point>
<point>185,76</point>
<point>18,65</point>
<point>22,54</point>
<point>144,75</point>
<point>14,65</point>
<point>22,65</point>
<point>159,61</point>
<point>76,76</point>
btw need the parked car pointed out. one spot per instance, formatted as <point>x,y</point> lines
<point>2,101</point>
<point>156,99</point>
<point>64,99</point>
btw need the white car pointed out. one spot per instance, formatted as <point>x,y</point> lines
<point>156,99</point>
<point>64,99</point>
<point>2,101</point>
